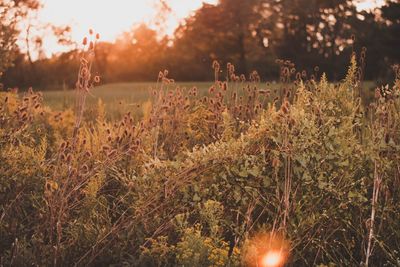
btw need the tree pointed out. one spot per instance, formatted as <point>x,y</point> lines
<point>224,32</point>
<point>11,13</point>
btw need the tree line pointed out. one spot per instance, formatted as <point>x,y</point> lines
<point>316,36</point>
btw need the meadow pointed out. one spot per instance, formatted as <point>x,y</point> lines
<point>121,98</point>
<point>118,98</point>
<point>230,173</point>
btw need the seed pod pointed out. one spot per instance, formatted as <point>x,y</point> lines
<point>63,145</point>
<point>285,107</point>
<point>234,96</point>
<point>275,162</point>
<point>111,153</point>
<point>377,93</point>
<point>85,168</point>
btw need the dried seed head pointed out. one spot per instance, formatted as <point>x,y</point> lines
<point>377,93</point>
<point>85,40</point>
<point>111,153</point>
<point>215,65</point>
<point>285,107</point>
<point>63,145</point>
<point>275,162</point>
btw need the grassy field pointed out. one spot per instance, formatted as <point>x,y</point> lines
<point>178,186</point>
<point>113,94</point>
<point>118,98</point>
<point>124,97</point>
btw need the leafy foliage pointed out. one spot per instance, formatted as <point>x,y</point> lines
<point>192,181</point>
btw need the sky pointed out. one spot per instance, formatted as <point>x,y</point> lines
<point>112,17</point>
<point>368,4</point>
<point>109,18</point>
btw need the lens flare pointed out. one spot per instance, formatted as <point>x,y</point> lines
<point>266,250</point>
<point>272,259</point>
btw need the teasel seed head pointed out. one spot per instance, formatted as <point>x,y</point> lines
<point>111,153</point>
<point>285,107</point>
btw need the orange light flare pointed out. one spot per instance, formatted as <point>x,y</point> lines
<point>266,250</point>
<point>272,258</point>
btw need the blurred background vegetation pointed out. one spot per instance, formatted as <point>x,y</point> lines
<point>250,34</point>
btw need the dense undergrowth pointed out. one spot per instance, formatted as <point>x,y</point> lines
<point>198,181</point>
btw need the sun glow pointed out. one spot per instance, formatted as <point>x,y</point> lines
<point>273,258</point>
<point>110,18</point>
<point>266,250</point>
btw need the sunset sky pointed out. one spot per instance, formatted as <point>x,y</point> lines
<point>111,18</point>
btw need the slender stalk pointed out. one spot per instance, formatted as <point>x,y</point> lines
<point>374,202</point>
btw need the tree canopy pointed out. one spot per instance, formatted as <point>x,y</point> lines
<point>250,34</point>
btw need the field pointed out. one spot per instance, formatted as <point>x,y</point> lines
<point>267,133</point>
<point>228,173</point>
<point>120,98</point>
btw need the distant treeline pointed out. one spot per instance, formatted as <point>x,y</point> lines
<point>250,34</point>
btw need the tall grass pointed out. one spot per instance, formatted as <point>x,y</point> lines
<point>205,180</point>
